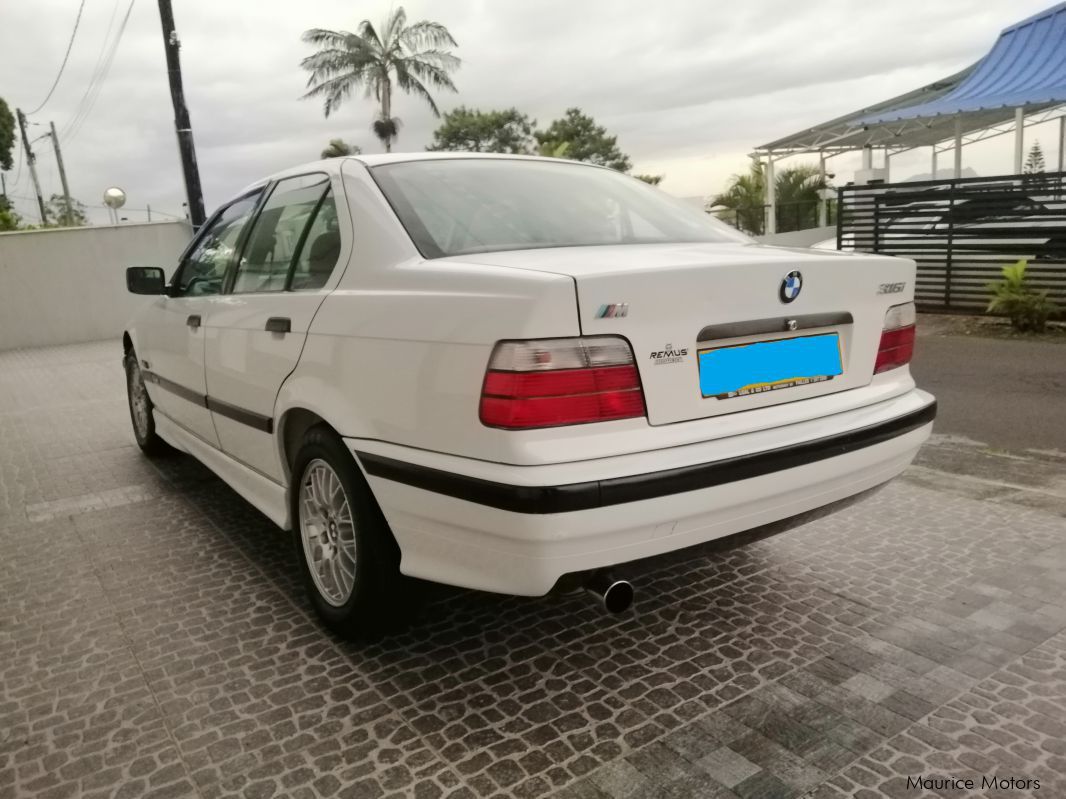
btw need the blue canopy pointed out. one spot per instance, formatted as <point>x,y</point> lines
<point>1026,67</point>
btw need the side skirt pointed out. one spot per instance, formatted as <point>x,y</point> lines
<point>268,497</point>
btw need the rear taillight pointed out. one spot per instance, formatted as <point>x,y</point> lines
<point>897,338</point>
<point>552,382</point>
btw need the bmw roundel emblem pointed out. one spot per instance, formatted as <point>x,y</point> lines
<point>791,286</point>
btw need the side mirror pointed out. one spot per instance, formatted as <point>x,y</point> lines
<point>145,280</point>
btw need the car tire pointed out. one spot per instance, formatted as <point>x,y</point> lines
<point>141,410</point>
<point>349,560</point>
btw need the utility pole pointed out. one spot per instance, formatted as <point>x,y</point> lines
<point>181,116</point>
<point>31,160</point>
<point>62,175</point>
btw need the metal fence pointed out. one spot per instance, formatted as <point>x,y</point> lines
<point>962,232</point>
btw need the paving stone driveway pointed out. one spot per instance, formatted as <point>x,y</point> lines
<point>154,642</point>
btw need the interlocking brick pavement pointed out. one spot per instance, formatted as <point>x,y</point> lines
<point>155,641</point>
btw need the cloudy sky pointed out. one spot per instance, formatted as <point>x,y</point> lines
<point>689,86</point>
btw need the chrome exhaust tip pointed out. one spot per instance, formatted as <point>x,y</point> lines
<point>614,595</point>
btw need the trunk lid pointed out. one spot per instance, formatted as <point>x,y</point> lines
<point>684,299</point>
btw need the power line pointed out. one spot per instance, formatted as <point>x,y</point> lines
<point>96,68</point>
<point>70,44</point>
<point>124,209</point>
<point>99,77</point>
<point>46,170</point>
<point>96,83</point>
<point>18,173</point>
<point>103,47</point>
<point>47,179</point>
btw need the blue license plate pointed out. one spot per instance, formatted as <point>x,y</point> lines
<point>745,369</point>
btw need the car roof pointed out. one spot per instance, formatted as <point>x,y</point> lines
<point>332,166</point>
<point>442,155</point>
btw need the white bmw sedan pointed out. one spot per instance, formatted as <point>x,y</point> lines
<point>511,373</point>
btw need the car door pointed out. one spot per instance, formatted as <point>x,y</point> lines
<point>256,331</point>
<point>171,340</point>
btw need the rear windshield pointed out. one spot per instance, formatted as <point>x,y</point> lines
<point>459,206</point>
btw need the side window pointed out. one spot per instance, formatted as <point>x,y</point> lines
<point>320,250</point>
<point>277,233</point>
<point>203,270</point>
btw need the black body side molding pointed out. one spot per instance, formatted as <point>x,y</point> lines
<point>250,418</point>
<point>619,490</point>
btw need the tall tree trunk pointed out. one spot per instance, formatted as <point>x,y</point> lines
<point>386,109</point>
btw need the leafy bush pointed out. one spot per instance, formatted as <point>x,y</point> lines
<point>9,219</point>
<point>1027,308</point>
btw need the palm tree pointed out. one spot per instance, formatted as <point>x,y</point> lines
<point>409,55</point>
<point>338,148</point>
<point>797,191</point>
<point>743,200</point>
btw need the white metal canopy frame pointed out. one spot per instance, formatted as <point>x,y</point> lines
<point>1020,82</point>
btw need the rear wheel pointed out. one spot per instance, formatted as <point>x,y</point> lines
<point>141,410</point>
<point>348,557</point>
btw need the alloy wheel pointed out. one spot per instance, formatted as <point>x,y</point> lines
<point>139,404</point>
<point>327,531</point>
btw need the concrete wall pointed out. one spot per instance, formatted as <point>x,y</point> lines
<point>799,238</point>
<point>69,285</point>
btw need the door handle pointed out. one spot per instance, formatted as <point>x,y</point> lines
<point>193,321</point>
<point>279,324</point>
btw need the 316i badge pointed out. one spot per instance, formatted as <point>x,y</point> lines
<point>891,288</point>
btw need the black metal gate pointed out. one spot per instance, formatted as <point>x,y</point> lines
<point>961,232</point>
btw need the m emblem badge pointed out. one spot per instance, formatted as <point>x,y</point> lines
<point>791,286</point>
<point>613,311</point>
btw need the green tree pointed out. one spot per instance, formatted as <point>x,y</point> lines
<point>338,148</point>
<point>742,201</point>
<point>553,149</point>
<point>58,216</point>
<point>797,191</point>
<point>7,136</point>
<point>653,180</point>
<point>1027,308</point>
<point>506,131</point>
<point>9,218</point>
<point>587,141</point>
<point>1034,162</point>
<point>409,56</point>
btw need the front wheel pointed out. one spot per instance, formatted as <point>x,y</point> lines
<point>141,410</point>
<point>348,557</point>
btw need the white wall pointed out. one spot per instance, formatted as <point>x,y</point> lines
<point>69,285</point>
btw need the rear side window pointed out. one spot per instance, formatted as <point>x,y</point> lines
<point>279,234</point>
<point>322,246</point>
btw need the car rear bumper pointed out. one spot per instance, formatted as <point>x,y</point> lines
<point>517,530</point>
